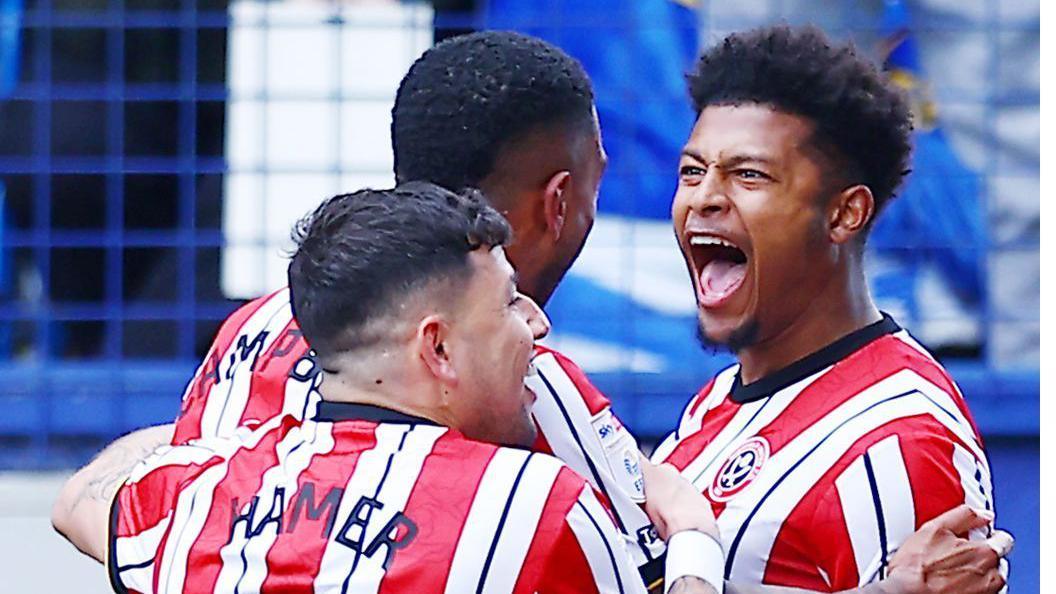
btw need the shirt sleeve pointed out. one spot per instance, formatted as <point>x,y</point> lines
<point>141,514</point>
<point>576,424</point>
<point>882,490</point>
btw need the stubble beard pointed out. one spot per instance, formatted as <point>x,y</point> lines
<point>742,337</point>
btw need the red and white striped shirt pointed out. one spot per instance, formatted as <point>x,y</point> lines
<point>260,367</point>
<point>819,472</point>
<point>361,499</point>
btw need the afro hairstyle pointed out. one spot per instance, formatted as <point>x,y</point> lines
<point>799,71</point>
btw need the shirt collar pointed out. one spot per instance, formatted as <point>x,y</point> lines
<point>812,363</point>
<point>329,410</point>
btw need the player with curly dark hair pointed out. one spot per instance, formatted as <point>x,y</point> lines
<point>836,435</point>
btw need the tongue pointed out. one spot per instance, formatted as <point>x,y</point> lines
<point>719,279</point>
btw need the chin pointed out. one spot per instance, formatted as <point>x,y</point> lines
<point>525,436</point>
<point>729,336</point>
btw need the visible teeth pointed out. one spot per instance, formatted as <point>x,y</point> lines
<point>709,240</point>
<point>532,371</point>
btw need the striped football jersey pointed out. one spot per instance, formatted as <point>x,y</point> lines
<point>260,367</point>
<point>366,500</point>
<point>818,472</point>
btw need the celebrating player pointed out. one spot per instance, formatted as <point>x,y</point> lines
<point>512,115</point>
<point>836,435</point>
<point>396,484</point>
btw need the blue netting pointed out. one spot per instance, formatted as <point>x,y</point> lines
<point>112,159</point>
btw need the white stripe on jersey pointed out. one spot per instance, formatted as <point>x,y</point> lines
<point>192,508</point>
<point>775,492</point>
<point>401,446</point>
<point>602,546</point>
<point>501,476</point>
<point>244,568</point>
<point>877,478</point>
<point>136,554</point>
<point>746,422</point>
<point>523,510</point>
<point>301,398</point>
<point>567,425</point>
<point>227,398</point>
<point>690,424</point>
<point>975,479</point>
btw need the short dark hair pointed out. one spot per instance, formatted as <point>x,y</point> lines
<point>801,72</point>
<point>466,98</point>
<point>359,255</point>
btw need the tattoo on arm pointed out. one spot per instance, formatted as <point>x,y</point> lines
<point>105,474</point>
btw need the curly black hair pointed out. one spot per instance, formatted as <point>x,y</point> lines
<point>800,71</point>
<point>468,96</point>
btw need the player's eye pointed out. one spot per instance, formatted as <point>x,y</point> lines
<point>691,171</point>
<point>751,174</point>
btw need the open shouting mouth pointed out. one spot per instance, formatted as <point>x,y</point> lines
<point>720,267</point>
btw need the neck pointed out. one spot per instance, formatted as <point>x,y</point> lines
<point>841,308</point>
<point>385,392</point>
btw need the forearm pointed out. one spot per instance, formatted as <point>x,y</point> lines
<point>81,511</point>
<point>875,588</point>
<point>691,585</point>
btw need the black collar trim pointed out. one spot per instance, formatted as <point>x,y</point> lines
<point>812,363</point>
<point>348,411</point>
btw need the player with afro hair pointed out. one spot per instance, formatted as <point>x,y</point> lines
<point>859,118</point>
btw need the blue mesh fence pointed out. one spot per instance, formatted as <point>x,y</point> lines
<point>116,161</point>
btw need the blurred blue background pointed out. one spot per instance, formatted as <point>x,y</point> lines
<point>123,158</point>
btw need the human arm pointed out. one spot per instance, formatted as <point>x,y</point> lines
<point>81,512</point>
<point>936,559</point>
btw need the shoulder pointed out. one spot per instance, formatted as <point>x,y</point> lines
<point>265,306</point>
<point>561,378</point>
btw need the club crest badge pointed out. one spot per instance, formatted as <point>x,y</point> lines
<point>740,469</point>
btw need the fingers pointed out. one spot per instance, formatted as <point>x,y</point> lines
<point>1001,542</point>
<point>995,582</point>
<point>960,520</point>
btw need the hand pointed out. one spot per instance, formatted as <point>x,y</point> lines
<point>937,557</point>
<point>673,504</point>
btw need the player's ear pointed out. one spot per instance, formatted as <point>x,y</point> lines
<point>555,203</point>
<point>432,345</point>
<point>849,213</point>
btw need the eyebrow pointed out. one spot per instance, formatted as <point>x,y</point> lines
<point>731,161</point>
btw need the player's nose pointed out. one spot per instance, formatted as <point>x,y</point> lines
<point>536,318</point>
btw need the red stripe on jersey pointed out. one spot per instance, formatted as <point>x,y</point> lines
<point>815,534</point>
<point>700,398</point>
<point>245,475</point>
<point>553,545</point>
<point>147,501</point>
<point>556,563</point>
<point>715,421</point>
<point>934,373</point>
<point>864,368</point>
<point>267,389</point>
<point>439,514</point>
<point>934,480</point>
<point>189,423</point>
<point>592,397</point>
<point>293,559</point>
